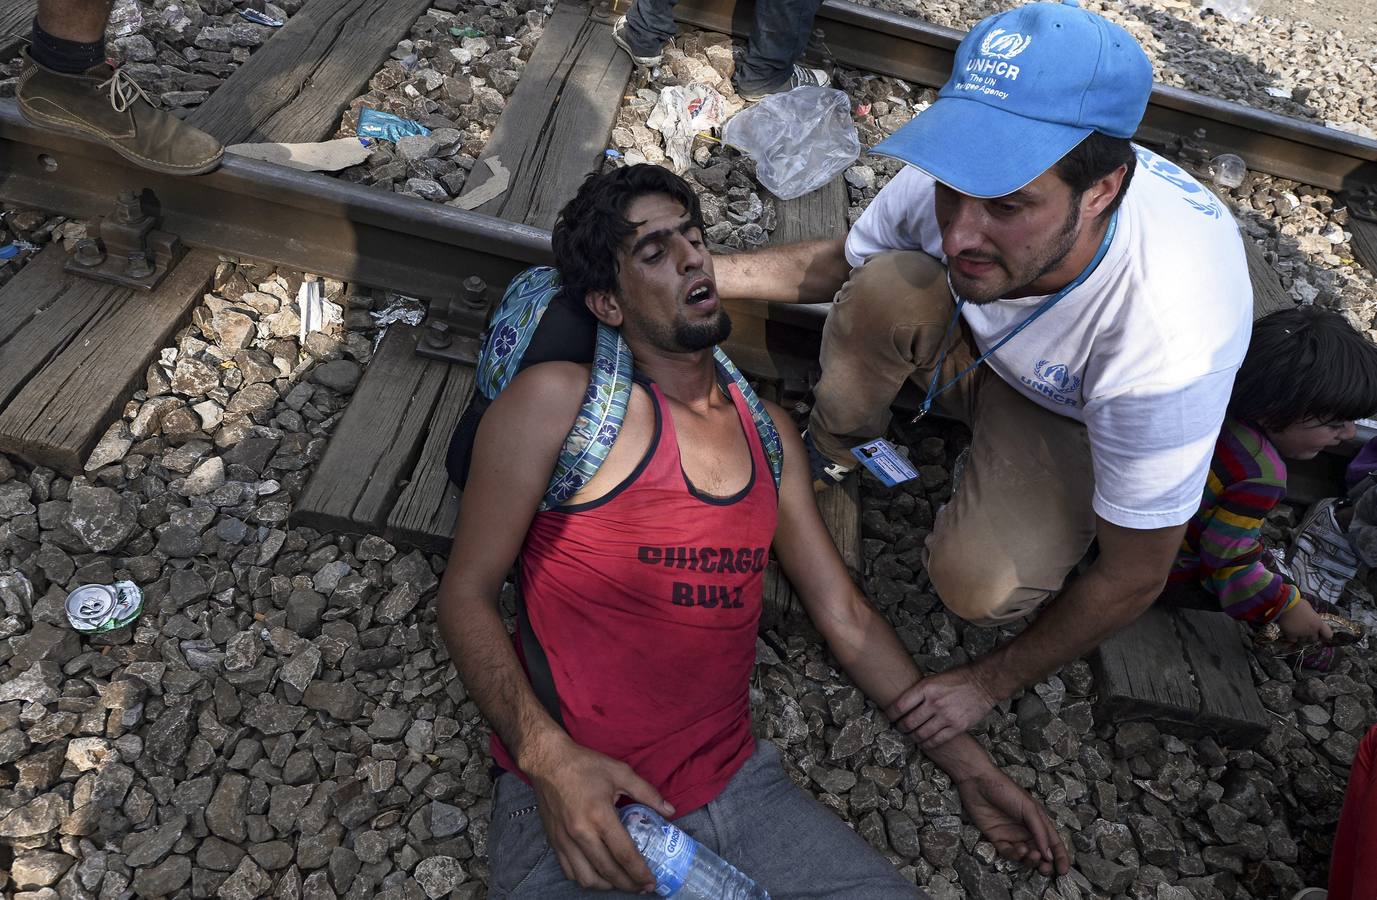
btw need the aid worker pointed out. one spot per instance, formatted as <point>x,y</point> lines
<point>1079,301</point>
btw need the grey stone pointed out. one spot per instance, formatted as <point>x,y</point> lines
<point>271,717</point>
<point>446,820</point>
<point>14,500</point>
<point>373,547</point>
<point>45,642</point>
<point>40,869</point>
<point>193,377</point>
<point>394,607</point>
<point>218,855</point>
<point>1105,875</point>
<point>170,736</point>
<point>1135,738</point>
<point>162,879</point>
<point>304,610</point>
<point>341,700</point>
<point>100,518</point>
<point>421,736</point>
<point>228,807</point>
<point>438,875</point>
<point>247,882</point>
<point>427,189</point>
<point>416,147</point>
<point>979,881</point>
<point>205,478</point>
<point>903,833</point>
<point>413,570</point>
<point>301,668</point>
<point>148,848</point>
<point>37,684</point>
<point>940,847</point>
<point>388,724</point>
<point>273,855</point>
<point>342,375</point>
<point>1155,841</point>
<point>111,448</point>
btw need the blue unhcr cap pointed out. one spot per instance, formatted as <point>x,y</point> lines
<point>1027,86</point>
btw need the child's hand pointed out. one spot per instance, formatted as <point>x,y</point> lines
<point>1303,625</point>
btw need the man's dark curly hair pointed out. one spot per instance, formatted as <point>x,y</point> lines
<point>592,227</point>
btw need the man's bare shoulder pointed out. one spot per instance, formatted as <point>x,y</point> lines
<point>543,399</point>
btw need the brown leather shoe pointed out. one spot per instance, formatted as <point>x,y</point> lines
<point>109,107</point>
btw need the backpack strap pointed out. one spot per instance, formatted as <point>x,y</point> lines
<point>512,327</point>
<point>728,373</point>
<point>599,419</point>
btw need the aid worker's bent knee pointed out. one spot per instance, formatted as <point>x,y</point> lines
<point>905,281</point>
<point>976,588</point>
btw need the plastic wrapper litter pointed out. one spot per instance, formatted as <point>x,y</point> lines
<point>800,140</point>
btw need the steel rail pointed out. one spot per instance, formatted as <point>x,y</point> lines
<point>922,53</point>
<point>258,210</point>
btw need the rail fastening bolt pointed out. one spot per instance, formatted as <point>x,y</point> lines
<point>88,253</point>
<point>475,292</point>
<point>437,334</point>
<point>139,265</point>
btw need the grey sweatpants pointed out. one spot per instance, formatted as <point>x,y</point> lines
<point>762,823</point>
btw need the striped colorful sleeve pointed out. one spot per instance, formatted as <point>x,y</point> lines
<point>1231,553</point>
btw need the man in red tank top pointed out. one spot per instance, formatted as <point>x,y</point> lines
<point>644,594</point>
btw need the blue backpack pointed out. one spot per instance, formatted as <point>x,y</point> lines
<point>536,322</point>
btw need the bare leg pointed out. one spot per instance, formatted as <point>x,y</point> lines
<point>74,20</point>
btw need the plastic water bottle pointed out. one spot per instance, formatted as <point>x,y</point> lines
<point>683,868</point>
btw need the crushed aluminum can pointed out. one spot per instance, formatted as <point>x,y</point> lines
<point>96,608</point>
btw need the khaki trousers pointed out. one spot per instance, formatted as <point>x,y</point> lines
<point>1021,517</point>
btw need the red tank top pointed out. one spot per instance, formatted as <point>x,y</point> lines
<point>646,602</point>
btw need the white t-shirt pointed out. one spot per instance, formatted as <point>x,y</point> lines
<point>1143,352</point>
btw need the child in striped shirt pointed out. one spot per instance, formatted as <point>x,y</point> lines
<point>1307,376</point>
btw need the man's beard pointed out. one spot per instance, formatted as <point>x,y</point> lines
<point>692,336</point>
<point>1060,247</point>
<point>681,336</point>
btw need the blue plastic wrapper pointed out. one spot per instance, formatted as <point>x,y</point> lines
<point>376,124</point>
<point>261,18</point>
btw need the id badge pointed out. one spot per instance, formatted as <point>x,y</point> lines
<point>884,462</point>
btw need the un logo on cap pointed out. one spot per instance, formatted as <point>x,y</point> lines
<point>1002,44</point>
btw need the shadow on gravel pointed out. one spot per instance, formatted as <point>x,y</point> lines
<point>1208,69</point>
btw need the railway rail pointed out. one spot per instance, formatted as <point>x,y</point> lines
<point>321,224</point>
<point>316,223</point>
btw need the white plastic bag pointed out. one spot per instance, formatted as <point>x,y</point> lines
<point>800,140</point>
<point>682,112</point>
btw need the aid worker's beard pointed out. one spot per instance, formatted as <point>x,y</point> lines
<point>1060,246</point>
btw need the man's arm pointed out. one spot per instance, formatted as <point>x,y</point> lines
<point>1123,582</point>
<point>514,454</point>
<point>802,272</point>
<point>870,652</point>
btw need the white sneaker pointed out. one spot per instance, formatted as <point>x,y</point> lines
<point>1311,894</point>
<point>800,76</point>
<point>1321,560</point>
<point>619,38</point>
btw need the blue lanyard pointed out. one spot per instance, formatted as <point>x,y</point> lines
<point>934,391</point>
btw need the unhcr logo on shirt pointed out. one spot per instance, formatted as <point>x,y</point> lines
<point>1055,382</point>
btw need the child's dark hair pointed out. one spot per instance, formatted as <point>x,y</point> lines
<point>1305,363</point>
<point>592,226</point>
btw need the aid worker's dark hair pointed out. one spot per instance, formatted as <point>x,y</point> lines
<point>1094,158</point>
<point>592,226</point>
<point>1305,363</point>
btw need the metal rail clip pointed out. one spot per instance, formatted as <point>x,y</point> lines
<point>129,251</point>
